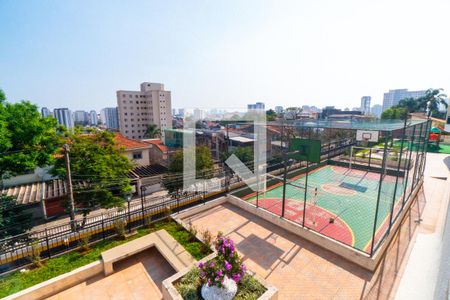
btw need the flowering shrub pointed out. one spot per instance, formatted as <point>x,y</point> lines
<point>227,263</point>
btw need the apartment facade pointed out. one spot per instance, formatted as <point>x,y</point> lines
<point>93,118</point>
<point>64,117</point>
<point>137,109</point>
<point>393,97</point>
<point>109,117</point>
<point>365,105</point>
<point>256,106</point>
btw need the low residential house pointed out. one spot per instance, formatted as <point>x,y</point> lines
<point>158,152</point>
<point>136,151</point>
<point>43,199</point>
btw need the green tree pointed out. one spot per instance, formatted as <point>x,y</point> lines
<point>394,112</point>
<point>245,154</point>
<point>27,140</point>
<point>411,104</point>
<point>271,115</point>
<point>204,166</point>
<point>436,98</point>
<point>99,171</point>
<point>14,219</point>
<point>152,131</point>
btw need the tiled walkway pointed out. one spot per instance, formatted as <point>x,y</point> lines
<point>298,268</point>
<point>137,277</point>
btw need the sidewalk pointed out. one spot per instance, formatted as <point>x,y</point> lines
<point>421,277</point>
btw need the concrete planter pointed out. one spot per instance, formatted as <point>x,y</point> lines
<point>169,291</point>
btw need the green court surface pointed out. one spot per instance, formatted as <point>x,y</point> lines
<point>347,196</point>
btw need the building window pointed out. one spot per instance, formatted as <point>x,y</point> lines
<point>137,155</point>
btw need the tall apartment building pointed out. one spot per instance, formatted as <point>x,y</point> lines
<point>81,117</point>
<point>393,97</point>
<point>93,118</point>
<point>110,117</point>
<point>45,112</point>
<point>365,105</point>
<point>257,105</point>
<point>278,109</point>
<point>137,109</point>
<point>376,110</point>
<point>64,117</point>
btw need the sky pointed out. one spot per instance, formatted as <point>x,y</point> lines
<point>222,54</point>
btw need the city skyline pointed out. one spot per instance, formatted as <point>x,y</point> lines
<point>87,56</point>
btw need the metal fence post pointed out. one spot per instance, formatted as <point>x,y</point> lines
<point>103,227</point>
<point>383,166</point>
<point>46,240</point>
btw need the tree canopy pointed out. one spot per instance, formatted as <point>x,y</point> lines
<point>271,115</point>
<point>410,105</point>
<point>27,140</point>
<point>99,170</point>
<point>204,166</point>
<point>14,219</point>
<point>152,131</point>
<point>394,112</point>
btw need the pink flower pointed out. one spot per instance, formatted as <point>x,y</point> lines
<point>227,266</point>
<point>236,277</point>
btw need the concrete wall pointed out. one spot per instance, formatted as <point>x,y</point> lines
<point>55,285</point>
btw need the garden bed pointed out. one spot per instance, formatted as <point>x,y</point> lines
<point>189,286</point>
<point>53,267</point>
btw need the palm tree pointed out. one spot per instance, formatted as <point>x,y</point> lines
<point>152,131</point>
<point>435,97</point>
<point>411,104</point>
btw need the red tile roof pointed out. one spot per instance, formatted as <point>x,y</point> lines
<point>127,143</point>
<point>158,143</point>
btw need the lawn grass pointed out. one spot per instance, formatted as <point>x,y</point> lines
<point>53,267</point>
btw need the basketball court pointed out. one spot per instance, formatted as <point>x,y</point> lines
<point>343,206</point>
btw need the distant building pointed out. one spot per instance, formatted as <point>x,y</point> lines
<point>137,109</point>
<point>64,117</point>
<point>110,117</point>
<point>257,105</point>
<point>393,97</point>
<point>93,118</point>
<point>376,110</point>
<point>181,112</point>
<point>81,117</point>
<point>278,109</point>
<point>365,105</point>
<point>199,114</point>
<point>330,112</point>
<point>45,112</point>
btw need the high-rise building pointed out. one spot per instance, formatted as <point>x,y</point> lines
<point>278,109</point>
<point>64,117</point>
<point>45,112</point>
<point>393,97</point>
<point>137,109</point>
<point>376,110</point>
<point>257,105</point>
<point>199,114</point>
<point>110,118</point>
<point>81,117</point>
<point>181,112</point>
<point>365,105</point>
<point>93,118</point>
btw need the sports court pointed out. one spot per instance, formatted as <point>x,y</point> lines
<point>343,207</point>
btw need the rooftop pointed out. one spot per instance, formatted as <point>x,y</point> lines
<point>129,144</point>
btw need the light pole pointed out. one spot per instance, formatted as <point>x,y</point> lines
<point>128,199</point>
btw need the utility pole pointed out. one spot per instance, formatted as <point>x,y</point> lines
<point>69,185</point>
